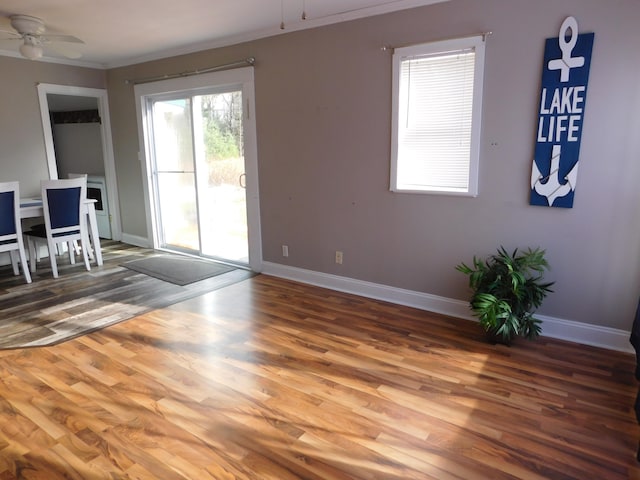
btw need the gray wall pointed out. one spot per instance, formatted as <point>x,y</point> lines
<point>22,150</point>
<point>323,120</point>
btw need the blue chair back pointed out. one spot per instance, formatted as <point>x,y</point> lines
<point>7,213</point>
<point>10,227</point>
<point>64,206</point>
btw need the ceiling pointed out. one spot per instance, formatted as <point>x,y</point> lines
<point>123,32</point>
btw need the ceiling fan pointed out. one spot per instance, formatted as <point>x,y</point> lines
<point>31,31</point>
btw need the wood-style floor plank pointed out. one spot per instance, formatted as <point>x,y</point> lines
<point>272,379</point>
<point>51,310</point>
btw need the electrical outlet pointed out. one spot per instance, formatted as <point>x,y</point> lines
<point>338,257</point>
<point>285,250</point>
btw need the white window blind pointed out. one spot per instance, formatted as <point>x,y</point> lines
<point>435,123</point>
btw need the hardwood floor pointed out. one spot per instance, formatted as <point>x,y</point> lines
<point>270,379</point>
<point>51,310</point>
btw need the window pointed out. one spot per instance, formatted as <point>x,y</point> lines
<point>437,104</point>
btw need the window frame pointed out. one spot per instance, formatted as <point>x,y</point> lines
<point>477,43</point>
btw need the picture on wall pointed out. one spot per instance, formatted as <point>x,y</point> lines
<point>563,95</point>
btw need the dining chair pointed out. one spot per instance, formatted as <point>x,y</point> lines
<point>64,221</point>
<point>10,227</point>
<point>41,228</point>
<point>75,244</point>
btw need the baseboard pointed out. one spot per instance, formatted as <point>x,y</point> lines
<point>604,337</point>
<point>5,259</point>
<point>595,335</point>
<point>135,240</point>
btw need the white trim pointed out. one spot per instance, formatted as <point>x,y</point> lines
<point>290,26</point>
<point>595,335</point>
<point>598,336</point>
<point>410,298</point>
<point>135,240</point>
<point>437,49</point>
<point>107,143</point>
<point>242,77</point>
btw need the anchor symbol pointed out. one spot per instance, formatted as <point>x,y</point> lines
<point>567,62</point>
<point>550,186</point>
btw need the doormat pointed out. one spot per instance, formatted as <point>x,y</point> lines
<point>51,310</point>
<point>177,269</point>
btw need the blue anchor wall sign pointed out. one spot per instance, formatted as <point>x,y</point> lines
<point>563,95</point>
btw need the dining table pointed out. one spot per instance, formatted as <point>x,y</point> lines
<point>32,208</point>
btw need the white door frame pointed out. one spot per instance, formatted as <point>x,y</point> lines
<point>107,143</point>
<point>191,85</point>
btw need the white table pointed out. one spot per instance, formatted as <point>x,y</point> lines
<point>32,207</point>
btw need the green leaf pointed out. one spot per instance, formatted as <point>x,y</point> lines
<point>507,288</point>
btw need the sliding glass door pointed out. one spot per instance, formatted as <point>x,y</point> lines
<point>198,154</point>
<point>175,175</point>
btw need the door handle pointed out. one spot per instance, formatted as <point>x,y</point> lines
<point>242,180</point>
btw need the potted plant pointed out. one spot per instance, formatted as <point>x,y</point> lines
<point>507,289</point>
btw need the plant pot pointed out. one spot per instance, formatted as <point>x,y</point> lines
<point>507,289</point>
<point>495,339</point>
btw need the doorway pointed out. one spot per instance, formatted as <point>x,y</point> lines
<point>201,166</point>
<point>198,165</point>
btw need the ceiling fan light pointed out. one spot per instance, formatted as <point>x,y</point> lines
<point>30,51</point>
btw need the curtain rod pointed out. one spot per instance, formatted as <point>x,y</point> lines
<point>391,48</point>
<point>226,66</point>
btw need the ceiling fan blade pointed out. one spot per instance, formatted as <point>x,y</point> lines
<point>63,50</point>
<point>9,34</point>
<point>60,38</point>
